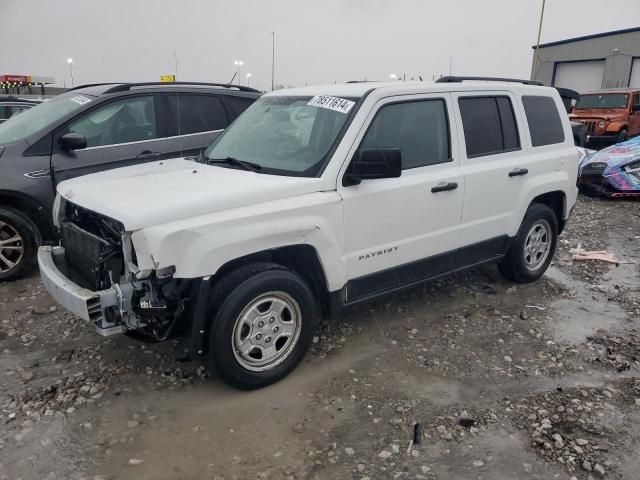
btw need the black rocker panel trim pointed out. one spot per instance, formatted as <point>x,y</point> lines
<point>391,279</point>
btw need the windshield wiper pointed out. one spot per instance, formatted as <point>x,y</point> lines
<point>252,167</point>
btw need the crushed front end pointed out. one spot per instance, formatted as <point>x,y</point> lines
<point>94,275</point>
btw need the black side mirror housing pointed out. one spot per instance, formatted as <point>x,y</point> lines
<point>73,141</point>
<point>374,163</point>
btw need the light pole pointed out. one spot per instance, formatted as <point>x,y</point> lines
<point>238,64</point>
<point>69,62</point>
<point>175,58</point>
<point>273,58</point>
<point>248,79</point>
<point>534,64</point>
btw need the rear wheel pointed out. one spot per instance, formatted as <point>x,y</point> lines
<point>19,241</point>
<point>532,250</point>
<point>262,326</point>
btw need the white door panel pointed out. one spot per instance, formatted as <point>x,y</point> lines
<point>395,221</point>
<point>490,201</point>
<point>401,218</point>
<point>580,76</point>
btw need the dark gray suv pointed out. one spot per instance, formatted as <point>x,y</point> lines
<point>93,128</point>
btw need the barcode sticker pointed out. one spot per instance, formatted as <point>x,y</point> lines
<point>80,100</point>
<point>336,104</point>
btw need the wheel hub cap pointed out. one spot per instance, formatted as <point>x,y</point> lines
<point>537,245</point>
<point>266,331</point>
<point>11,247</point>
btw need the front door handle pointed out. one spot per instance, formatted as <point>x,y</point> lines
<point>148,155</point>
<point>444,186</point>
<point>516,172</point>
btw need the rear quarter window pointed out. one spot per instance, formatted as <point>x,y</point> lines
<point>545,125</point>
<point>236,105</point>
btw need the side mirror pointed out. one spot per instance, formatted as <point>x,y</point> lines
<point>374,163</point>
<point>73,141</point>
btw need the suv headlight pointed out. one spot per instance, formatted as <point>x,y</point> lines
<point>602,124</point>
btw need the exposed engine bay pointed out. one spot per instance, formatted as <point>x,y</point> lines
<point>99,256</point>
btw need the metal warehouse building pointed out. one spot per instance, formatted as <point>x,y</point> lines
<point>603,60</point>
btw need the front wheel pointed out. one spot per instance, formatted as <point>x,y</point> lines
<point>263,326</point>
<point>532,250</point>
<point>19,241</point>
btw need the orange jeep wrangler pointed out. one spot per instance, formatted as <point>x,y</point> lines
<point>611,116</point>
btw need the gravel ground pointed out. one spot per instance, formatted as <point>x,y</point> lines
<point>468,378</point>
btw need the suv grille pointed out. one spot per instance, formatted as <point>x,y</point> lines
<point>93,247</point>
<point>591,125</point>
<point>83,253</point>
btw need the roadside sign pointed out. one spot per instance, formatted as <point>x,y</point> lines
<point>167,78</point>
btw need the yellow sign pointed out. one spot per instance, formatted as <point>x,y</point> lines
<point>167,78</point>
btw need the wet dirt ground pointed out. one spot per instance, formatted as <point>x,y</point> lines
<point>471,377</point>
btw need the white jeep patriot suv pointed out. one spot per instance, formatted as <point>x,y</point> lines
<point>315,198</point>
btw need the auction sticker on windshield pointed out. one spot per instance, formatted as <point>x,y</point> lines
<point>80,100</point>
<point>336,104</point>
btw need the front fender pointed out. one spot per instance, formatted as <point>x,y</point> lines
<point>199,246</point>
<point>615,127</point>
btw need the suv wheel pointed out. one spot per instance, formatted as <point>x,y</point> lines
<point>532,250</point>
<point>19,240</point>
<point>262,327</point>
<point>622,136</point>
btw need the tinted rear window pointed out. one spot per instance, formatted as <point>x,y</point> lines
<point>236,105</point>
<point>544,121</point>
<point>200,113</point>
<point>489,125</point>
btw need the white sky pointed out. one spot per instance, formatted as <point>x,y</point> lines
<point>316,41</point>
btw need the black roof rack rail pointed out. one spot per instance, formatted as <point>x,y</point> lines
<point>455,79</point>
<point>87,85</point>
<point>128,86</point>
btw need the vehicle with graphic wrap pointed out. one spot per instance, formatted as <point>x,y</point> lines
<point>611,116</point>
<point>313,199</point>
<point>612,172</point>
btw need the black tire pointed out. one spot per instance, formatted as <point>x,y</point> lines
<point>623,135</point>
<point>232,295</point>
<point>514,266</point>
<point>12,220</point>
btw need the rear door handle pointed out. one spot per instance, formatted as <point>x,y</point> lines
<point>516,172</point>
<point>148,155</point>
<point>444,186</point>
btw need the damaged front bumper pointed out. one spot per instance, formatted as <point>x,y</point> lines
<point>105,308</point>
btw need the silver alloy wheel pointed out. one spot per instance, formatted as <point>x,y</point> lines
<point>11,247</point>
<point>266,331</point>
<point>537,245</point>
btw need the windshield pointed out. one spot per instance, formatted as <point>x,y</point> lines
<point>29,122</point>
<point>609,100</point>
<point>284,134</point>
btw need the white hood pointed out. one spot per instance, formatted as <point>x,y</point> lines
<point>154,193</point>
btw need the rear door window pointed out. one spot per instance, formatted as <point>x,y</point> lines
<point>489,125</point>
<point>544,120</point>
<point>200,113</point>
<point>236,105</point>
